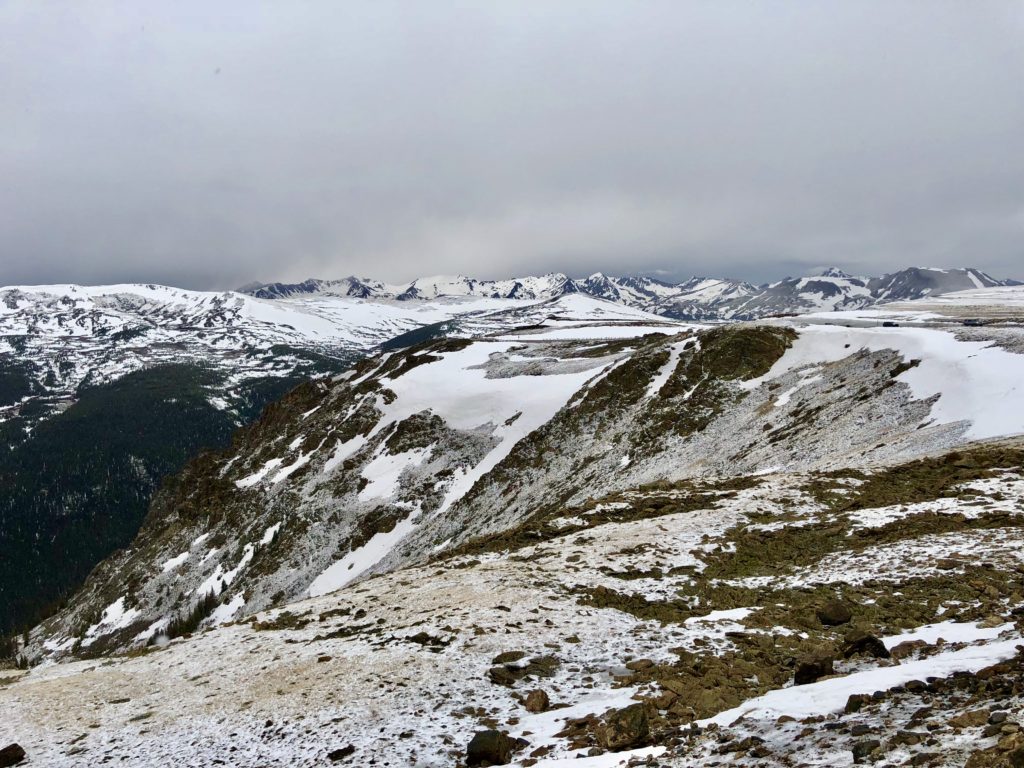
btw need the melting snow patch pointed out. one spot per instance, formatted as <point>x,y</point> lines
<point>114,617</point>
<point>255,477</point>
<point>174,562</point>
<point>342,452</point>
<point>384,471</point>
<point>224,612</point>
<point>827,696</point>
<point>358,561</point>
<point>950,631</point>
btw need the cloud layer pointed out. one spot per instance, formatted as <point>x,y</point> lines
<point>211,144</point>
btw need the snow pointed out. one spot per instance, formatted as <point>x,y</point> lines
<point>174,562</point>
<point>285,471</point>
<point>224,613</point>
<point>950,631</point>
<point>806,377</point>
<point>255,477</point>
<point>457,389</point>
<point>607,760</point>
<point>610,332</point>
<point>342,452</point>
<point>662,376</point>
<point>268,535</point>
<point>385,470</point>
<point>976,382</point>
<point>114,617</point>
<point>827,696</point>
<point>733,614</point>
<point>358,561</point>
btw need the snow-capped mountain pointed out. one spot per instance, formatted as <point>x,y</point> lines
<point>579,533</point>
<point>420,451</point>
<point>64,336</point>
<point>701,299</point>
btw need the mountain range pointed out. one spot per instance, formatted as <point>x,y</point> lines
<point>573,530</point>
<point>698,298</point>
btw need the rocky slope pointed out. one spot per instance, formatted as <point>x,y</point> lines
<point>576,535</point>
<point>423,451</point>
<point>664,625</point>
<point>104,391</point>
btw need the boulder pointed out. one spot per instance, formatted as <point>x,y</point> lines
<point>862,750</point>
<point>12,754</point>
<point>973,719</point>
<point>489,748</point>
<point>626,728</point>
<point>537,701</point>
<point>860,643</point>
<point>812,668</point>
<point>341,754</point>
<point>834,612</point>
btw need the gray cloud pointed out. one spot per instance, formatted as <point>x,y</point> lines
<point>210,144</point>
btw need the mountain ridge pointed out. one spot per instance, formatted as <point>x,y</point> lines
<point>697,298</point>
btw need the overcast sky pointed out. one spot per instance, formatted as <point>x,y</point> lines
<point>209,144</point>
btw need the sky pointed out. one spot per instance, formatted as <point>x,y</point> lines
<point>213,144</point>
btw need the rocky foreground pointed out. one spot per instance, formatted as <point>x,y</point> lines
<point>779,619</point>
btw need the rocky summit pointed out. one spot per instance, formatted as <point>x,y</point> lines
<point>576,532</point>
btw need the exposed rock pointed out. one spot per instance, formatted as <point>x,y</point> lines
<point>12,754</point>
<point>537,701</point>
<point>863,750</point>
<point>489,748</point>
<point>341,754</point>
<point>639,664</point>
<point>977,717</point>
<point>626,728</point>
<point>812,668</point>
<point>860,643</point>
<point>509,656</point>
<point>834,612</point>
<point>906,649</point>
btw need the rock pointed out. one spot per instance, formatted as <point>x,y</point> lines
<point>508,657</point>
<point>974,719</point>
<point>341,754</point>
<point>855,702</point>
<point>811,669</point>
<point>639,664</point>
<point>906,648</point>
<point>862,749</point>
<point>860,643</point>
<point>502,675</point>
<point>489,748</point>
<point>997,718</point>
<point>626,728</point>
<point>537,701</point>
<point>834,612</point>
<point>12,754</point>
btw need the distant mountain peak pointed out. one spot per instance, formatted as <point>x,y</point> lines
<point>835,272</point>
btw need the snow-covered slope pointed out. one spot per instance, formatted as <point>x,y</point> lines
<point>796,541</point>
<point>667,622</point>
<point>62,336</point>
<point>699,298</point>
<point>419,451</point>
